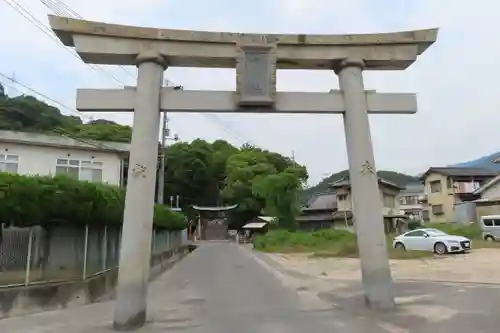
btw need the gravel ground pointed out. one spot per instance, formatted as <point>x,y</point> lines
<point>479,266</point>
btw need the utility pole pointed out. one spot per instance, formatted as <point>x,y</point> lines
<point>165,135</point>
<point>165,131</point>
<point>161,172</point>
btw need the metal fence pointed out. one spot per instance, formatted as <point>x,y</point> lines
<point>61,253</point>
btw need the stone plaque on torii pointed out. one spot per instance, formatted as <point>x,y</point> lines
<point>256,58</point>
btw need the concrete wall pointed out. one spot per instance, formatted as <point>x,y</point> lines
<point>16,301</point>
<point>492,192</point>
<point>39,160</point>
<point>483,209</point>
<point>465,212</point>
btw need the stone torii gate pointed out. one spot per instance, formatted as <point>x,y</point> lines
<point>256,58</point>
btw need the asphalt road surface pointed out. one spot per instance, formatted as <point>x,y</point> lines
<point>219,288</point>
<point>224,288</point>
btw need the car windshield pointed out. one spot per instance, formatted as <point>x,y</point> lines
<point>435,232</point>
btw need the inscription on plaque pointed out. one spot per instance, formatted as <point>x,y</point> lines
<point>256,76</point>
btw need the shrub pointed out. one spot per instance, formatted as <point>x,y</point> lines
<point>471,231</point>
<point>38,200</point>
<point>414,224</point>
<point>285,241</point>
<point>323,243</point>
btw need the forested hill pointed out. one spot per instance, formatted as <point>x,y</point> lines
<point>26,113</point>
<point>199,172</point>
<point>394,177</point>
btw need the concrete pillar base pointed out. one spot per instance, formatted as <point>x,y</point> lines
<point>132,324</point>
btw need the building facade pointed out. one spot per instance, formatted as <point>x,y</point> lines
<point>319,212</point>
<point>490,190</point>
<point>410,201</point>
<point>445,188</point>
<point>50,155</point>
<point>389,195</point>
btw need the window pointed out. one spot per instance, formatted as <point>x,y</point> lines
<point>91,171</point>
<point>342,197</point>
<point>488,222</point>
<point>82,170</point>
<point>436,186</point>
<point>437,209</point>
<point>9,163</point>
<point>68,167</point>
<point>409,200</point>
<point>436,232</point>
<point>416,233</point>
<point>491,222</point>
<point>389,201</point>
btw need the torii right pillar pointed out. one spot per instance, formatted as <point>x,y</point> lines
<point>375,270</point>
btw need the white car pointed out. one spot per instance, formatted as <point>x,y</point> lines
<point>428,239</point>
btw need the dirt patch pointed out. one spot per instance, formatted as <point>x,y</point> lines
<point>479,266</point>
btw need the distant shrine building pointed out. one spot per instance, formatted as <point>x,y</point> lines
<point>213,222</point>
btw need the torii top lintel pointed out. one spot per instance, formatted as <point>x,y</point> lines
<point>102,43</point>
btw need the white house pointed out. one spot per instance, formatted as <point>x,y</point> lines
<point>41,154</point>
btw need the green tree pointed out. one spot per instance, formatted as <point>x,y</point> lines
<point>241,170</point>
<point>104,130</point>
<point>199,172</point>
<point>281,195</point>
<point>188,172</point>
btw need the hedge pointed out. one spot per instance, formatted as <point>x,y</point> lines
<point>39,200</point>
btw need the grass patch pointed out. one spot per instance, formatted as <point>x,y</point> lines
<point>482,244</point>
<point>324,243</point>
<point>472,231</point>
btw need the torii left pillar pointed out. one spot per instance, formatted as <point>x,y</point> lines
<point>135,252</point>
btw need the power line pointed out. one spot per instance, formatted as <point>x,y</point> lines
<point>61,132</point>
<point>66,10</point>
<point>58,130</point>
<point>43,95</point>
<point>228,128</point>
<point>61,8</point>
<point>15,5</point>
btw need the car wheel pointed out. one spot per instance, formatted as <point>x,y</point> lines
<point>440,248</point>
<point>400,246</point>
<point>489,238</point>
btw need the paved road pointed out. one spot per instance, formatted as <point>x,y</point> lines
<point>219,288</point>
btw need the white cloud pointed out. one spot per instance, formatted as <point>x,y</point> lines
<point>455,79</point>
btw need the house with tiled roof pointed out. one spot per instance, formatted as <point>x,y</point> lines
<point>447,187</point>
<point>318,213</point>
<point>389,195</point>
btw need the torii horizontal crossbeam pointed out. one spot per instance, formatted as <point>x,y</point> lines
<point>198,101</point>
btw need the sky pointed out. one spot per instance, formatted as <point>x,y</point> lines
<point>455,81</point>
